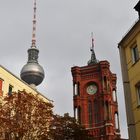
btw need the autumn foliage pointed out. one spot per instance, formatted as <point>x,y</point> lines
<point>66,128</point>
<point>25,117</point>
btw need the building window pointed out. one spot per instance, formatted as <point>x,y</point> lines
<point>75,113</point>
<point>138,93</point>
<point>135,54</point>
<point>116,121</point>
<point>77,89</point>
<point>96,112</point>
<point>105,83</point>
<point>114,95</point>
<point>90,113</point>
<point>107,112</point>
<point>10,90</point>
<point>79,114</point>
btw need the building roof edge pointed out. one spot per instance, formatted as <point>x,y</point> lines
<point>128,32</point>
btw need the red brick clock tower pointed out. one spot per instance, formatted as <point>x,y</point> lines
<point>95,100</point>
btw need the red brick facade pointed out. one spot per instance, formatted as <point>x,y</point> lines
<point>95,101</point>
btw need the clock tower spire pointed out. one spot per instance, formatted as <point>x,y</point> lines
<point>93,59</point>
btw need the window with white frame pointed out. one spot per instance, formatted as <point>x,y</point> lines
<point>135,54</point>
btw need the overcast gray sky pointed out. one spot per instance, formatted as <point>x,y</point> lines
<point>63,37</point>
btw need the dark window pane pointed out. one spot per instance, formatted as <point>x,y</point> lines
<point>10,90</point>
<point>135,54</point>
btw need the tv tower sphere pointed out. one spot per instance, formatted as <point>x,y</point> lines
<point>32,73</point>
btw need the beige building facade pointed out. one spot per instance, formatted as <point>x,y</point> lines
<point>10,83</point>
<point>129,49</point>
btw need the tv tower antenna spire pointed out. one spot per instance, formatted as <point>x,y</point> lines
<point>34,26</point>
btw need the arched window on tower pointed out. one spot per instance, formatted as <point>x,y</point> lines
<point>105,83</point>
<point>107,114</point>
<point>116,121</point>
<point>96,112</point>
<point>108,87</point>
<point>77,114</point>
<point>77,88</point>
<point>114,95</point>
<point>90,117</point>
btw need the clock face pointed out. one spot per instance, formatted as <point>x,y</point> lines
<point>92,89</point>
